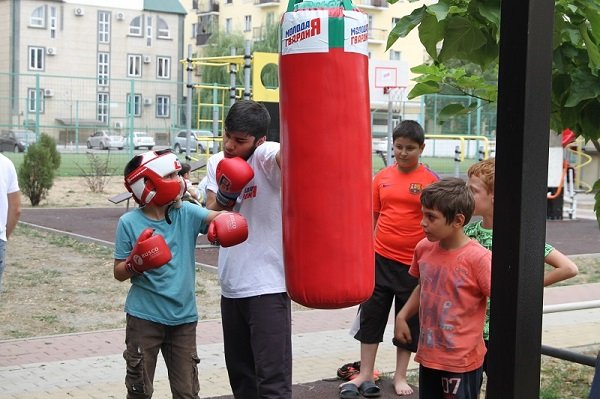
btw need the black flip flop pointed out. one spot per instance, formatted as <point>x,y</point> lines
<point>369,389</point>
<point>349,391</point>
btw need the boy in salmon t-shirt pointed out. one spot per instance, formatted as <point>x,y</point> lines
<point>454,275</point>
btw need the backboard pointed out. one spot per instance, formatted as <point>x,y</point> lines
<point>385,77</point>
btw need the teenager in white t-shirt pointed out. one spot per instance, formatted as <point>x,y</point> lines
<point>10,205</point>
<point>255,307</point>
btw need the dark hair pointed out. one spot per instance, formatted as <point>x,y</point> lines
<point>410,129</point>
<point>451,197</point>
<point>249,117</point>
<point>185,168</point>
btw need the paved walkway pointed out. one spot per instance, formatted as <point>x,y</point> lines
<point>90,365</point>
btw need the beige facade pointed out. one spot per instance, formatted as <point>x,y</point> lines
<point>251,16</point>
<point>70,65</point>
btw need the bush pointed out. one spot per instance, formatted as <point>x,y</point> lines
<point>98,172</point>
<point>37,172</point>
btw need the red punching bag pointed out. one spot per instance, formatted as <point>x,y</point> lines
<point>326,154</point>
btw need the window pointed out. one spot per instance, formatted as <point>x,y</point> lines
<point>136,104</point>
<point>149,31</point>
<point>228,25</point>
<point>53,22</point>
<point>103,27</point>
<point>36,58</point>
<point>247,23</point>
<point>163,29</point>
<point>102,107</point>
<point>162,106</point>
<point>270,18</point>
<point>194,30</point>
<point>395,55</point>
<point>135,26</point>
<point>32,98</point>
<point>194,4</point>
<point>38,17</point>
<point>103,71</point>
<point>395,21</point>
<point>163,67</point>
<point>134,65</point>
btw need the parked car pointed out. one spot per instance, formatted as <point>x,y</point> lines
<point>105,139</point>
<point>16,140</point>
<point>140,139</point>
<point>180,142</point>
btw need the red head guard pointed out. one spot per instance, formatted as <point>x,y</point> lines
<point>147,182</point>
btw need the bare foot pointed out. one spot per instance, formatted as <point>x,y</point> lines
<point>401,386</point>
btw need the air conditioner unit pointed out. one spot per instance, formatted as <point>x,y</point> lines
<point>120,16</point>
<point>147,101</point>
<point>51,50</point>
<point>79,11</point>
<point>48,92</point>
<point>147,59</point>
<point>118,125</point>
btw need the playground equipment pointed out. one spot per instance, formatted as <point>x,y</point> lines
<point>211,109</point>
<point>572,159</point>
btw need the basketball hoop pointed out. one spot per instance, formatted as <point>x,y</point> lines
<point>395,96</point>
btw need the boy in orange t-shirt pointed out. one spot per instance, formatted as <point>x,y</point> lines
<point>396,215</point>
<point>454,275</point>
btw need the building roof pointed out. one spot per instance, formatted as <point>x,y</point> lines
<point>168,6</point>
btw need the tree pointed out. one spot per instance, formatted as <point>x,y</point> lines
<point>37,172</point>
<point>461,37</point>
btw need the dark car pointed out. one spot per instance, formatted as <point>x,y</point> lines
<point>16,140</point>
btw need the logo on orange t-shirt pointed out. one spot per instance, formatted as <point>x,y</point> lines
<point>415,188</point>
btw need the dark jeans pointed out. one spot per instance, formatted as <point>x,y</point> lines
<point>144,339</point>
<point>257,334</point>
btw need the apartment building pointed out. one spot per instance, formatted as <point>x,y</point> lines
<point>251,17</point>
<point>71,66</point>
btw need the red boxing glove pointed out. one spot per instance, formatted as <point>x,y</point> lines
<point>149,252</point>
<point>228,229</point>
<point>232,175</point>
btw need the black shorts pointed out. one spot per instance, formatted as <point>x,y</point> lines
<point>392,282</point>
<point>435,384</point>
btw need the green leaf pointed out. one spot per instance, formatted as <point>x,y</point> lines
<point>584,86</point>
<point>439,10</point>
<point>461,40</point>
<point>423,88</point>
<point>490,10</point>
<point>431,32</point>
<point>592,49</point>
<point>405,25</point>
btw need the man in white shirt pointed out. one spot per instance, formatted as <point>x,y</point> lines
<point>10,206</point>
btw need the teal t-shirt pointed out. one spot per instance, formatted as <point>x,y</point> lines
<point>484,236</point>
<point>165,295</point>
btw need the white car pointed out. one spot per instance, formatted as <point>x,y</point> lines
<point>196,141</point>
<point>105,139</point>
<point>140,139</point>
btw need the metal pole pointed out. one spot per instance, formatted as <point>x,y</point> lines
<point>457,154</point>
<point>524,88</point>
<point>247,66</point>
<point>188,103</point>
<point>232,76</point>
<point>390,129</point>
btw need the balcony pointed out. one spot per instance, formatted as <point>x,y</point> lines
<point>202,38</point>
<point>372,4</point>
<point>267,3</point>
<point>378,36</point>
<point>208,7</point>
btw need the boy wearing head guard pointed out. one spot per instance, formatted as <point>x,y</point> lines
<point>155,250</point>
